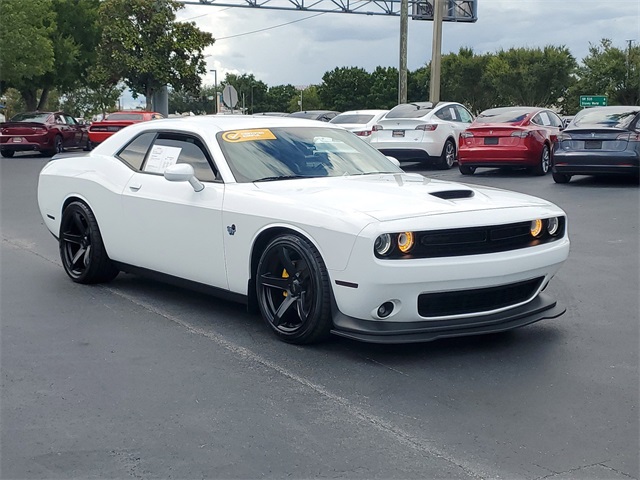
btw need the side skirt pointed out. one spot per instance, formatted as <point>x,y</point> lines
<point>182,283</point>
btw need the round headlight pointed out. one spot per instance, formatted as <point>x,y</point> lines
<point>382,245</point>
<point>405,241</point>
<point>553,225</point>
<point>536,228</point>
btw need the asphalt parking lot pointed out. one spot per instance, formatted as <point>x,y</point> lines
<point>138,379</point>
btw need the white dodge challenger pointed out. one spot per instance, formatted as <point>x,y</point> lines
<point>308,224</point>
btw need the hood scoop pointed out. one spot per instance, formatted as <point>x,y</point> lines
<point>453,194</point>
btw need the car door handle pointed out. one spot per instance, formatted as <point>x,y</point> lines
<point>135,187</point>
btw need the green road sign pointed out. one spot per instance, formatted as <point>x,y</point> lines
<point>593,100</point>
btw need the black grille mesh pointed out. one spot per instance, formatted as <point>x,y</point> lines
<point>478,300</point>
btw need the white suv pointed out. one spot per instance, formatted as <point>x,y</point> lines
<point>423,132</point>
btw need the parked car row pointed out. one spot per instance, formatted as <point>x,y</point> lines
<point>52,132</point>
<point>600,140</point>
<point>596,141</point>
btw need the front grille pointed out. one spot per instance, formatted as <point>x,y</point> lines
<point>462,302</point>
<point>457,242</point>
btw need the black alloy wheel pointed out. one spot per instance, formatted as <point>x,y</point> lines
<point>82,252</point>
<point>293,291</point>
<point>57,147</point>
<point>448,157</point>
<point>7,153</point>
<point>466,169</point>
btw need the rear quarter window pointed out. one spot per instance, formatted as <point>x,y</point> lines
<point>135,152</point>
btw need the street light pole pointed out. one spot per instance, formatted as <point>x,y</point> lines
<point>215,81</point>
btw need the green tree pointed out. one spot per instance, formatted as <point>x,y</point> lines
<point>610,71</point>
<point>345,89</point>
<point>251,92</point>
<point>278,99</point>
<point>309,97</point>
<point>144,45</point>
<point>181,101</point>
<point>530,76</point>
<point>46,45</point>
<point>418,84</point>
<point>384,88</point>
<point>26,46</point>
<point>463,80</point>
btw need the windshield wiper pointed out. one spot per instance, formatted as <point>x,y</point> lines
<point>282,177</point>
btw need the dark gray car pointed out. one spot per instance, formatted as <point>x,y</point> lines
<point>599,141</point>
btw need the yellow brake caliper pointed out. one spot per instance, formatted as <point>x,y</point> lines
<point>284,275</point>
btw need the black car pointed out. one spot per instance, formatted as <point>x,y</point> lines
<point>321,115</point>
<point>599,141</point>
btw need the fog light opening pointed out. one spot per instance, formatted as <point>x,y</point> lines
<point>385,309</point>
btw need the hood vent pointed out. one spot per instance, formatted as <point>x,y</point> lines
<point>453,194</point>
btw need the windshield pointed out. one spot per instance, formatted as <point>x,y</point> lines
<point>516,115</point>
<point>31,117</point>
<point>310,115</point>
<point>619,117</point>
<point>410,110</point>
<point>298,152</point>
<point>359,119</point>
<point>125,116</point>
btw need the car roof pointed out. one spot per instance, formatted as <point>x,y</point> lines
<point>513,109</point>
<point>360,112</point>
<point>228,122</point>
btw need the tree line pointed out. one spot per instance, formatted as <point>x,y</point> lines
<point>79,55</point>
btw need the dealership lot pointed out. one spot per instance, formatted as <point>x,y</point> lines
<point>140,379</point>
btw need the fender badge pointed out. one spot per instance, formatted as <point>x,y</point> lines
<point>231,229</point>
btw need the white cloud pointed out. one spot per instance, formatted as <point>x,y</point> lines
<point>300,53</point>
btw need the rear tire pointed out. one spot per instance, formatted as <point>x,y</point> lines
<point>82,252</point>
<point>7,153</point>
<point>561,177</point>
<point>544,163</point>
<point>466,169</point>
<point>57,147</point>
<point>448,156</point>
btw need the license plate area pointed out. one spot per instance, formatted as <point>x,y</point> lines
<point>397,133</point>
<point>491,140</point>
<point>593,144</point>
<point>16,139</point>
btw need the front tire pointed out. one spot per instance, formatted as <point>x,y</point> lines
<point>82,252</point>
<point>448,156</point>
<point>293,292</point>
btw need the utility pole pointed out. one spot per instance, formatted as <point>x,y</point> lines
<point>436,55</point>
<point>215,81</point>
<point>402,68</point>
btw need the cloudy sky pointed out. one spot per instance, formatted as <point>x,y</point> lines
<point>300,53</point>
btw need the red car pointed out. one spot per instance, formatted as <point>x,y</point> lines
<point>509,137</point>
<point>100,131</point>
<point>46,132</point>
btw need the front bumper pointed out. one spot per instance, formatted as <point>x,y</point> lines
<point>540,308</point>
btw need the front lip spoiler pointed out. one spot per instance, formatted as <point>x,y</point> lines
<point>540,308</point>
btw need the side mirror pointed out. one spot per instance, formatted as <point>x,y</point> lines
<point>394,160</point>
<point>183,172</point>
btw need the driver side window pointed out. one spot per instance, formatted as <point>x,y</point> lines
<point>171,148</point>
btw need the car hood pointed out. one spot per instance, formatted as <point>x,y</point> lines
<point>388,197</point>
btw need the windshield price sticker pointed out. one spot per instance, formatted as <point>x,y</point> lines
<point>235,136</point>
